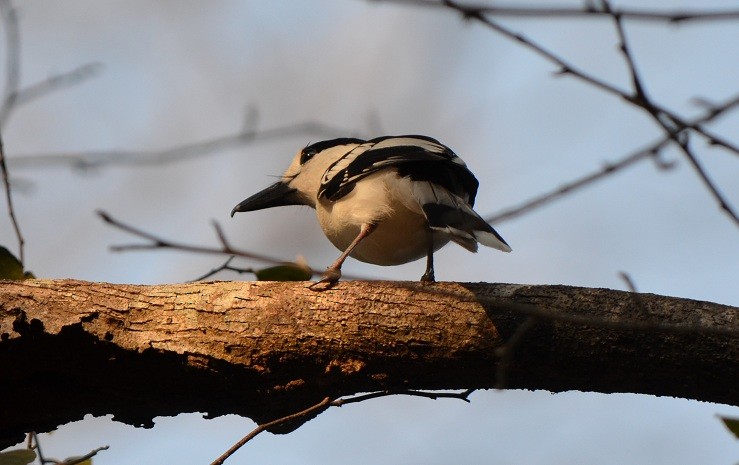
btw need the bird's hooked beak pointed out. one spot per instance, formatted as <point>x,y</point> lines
<point>278,194</point>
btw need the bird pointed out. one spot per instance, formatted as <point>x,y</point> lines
<point>386,201</point>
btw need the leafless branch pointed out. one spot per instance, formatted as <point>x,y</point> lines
<point>322,405</point>
<point>672,126</point>
<point>637,98</point>
<point>56,82</point>
<point>588,10</point>
<point>156,242</point>
<point>225,267</point>
<point>11,210</point>
<point>12,59</point>
<point>464,395</point>
<point>577,184</point>
<point>12,77</point>
<point>96,159</point>
<point>326,403</point>
<point>652,151</point>
<point>33,443</point>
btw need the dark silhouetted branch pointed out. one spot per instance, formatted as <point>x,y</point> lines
<point>588,10</point>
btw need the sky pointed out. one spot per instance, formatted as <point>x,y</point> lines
<point>173,73</point>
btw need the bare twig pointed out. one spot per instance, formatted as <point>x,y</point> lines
<point>577,184</point>
<point>635,296</point>
<point>11,210</point>
<point>322,405</point>
<point>650,151</point>
<point>156,242</point>
<point>12,78</point>
<point>638,98</point>
<point>567,68</point>
<point>629,282</point>
<point>588,10</point>
<point>326,403</point>
<point>161,243</point>
<point>56,82</point>
<point>671,126</point>
<point>33,443</point>
<point>12,59</point>
<point>464,395</point>
<point>225,267</point>
<point>96,159</point>
<point>83,458</point>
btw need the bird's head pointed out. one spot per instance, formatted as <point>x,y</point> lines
<point>301,181</point>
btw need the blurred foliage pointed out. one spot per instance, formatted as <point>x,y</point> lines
<point>291,271</point>
<point>11,268</point>
<point>17,456</point>
<point>732,424</point>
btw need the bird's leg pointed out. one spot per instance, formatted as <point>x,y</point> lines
<point>428,276</point>
<point>333,272</point>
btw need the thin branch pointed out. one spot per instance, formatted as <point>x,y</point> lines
<point>322,405</point>
<point>566,68</point>
<point>658,112</point>
<point>577,184</point>
<point>156,242</point>
<point>650,151</point>
<point>225,267</point>
<point>588,10</point>
<point>12,59</point>
<point>11,210</point>
<point>638,99</point>
<point>96,159</point>
<point>326,403</point>
<point>464,395</point>
<point>76,460</point>
<point>671,126</point>
<point>56,82</point>
<point>161,243</point>
<point>12,78</point>
<point>34,444</point>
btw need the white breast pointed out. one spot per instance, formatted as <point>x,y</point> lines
<point>384,199</point>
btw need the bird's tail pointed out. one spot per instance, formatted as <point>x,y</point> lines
<point>452,216</point>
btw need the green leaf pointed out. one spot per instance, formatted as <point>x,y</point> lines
<point>11,268</point>
<point>732,424</point>
<point>286,272</point>
<point>17,457</point>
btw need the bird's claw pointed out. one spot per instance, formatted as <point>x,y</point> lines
<point>329,278</point>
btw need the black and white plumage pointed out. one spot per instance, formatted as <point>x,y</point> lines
<point>386,201</point>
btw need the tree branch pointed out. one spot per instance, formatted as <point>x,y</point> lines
<point>265,350</point>
<point>588,10</point>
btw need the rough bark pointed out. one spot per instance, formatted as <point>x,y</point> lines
<point>265,349</point>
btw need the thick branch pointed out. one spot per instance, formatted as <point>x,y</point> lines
<point>265,349</point>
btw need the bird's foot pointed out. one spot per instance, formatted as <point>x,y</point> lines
<point>428,277</point>
<point>329,278</point>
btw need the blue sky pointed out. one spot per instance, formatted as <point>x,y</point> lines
<point>178,72</point>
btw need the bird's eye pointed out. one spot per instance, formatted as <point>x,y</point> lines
<point>307,154</point>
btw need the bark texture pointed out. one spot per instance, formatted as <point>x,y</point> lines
<point>266,349</point>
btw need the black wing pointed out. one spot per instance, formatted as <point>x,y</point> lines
<point>419,158</point>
